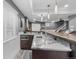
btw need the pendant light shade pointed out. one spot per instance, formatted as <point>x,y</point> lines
<point>56,8</point>
<point>48,16</point>
<point>41,17</point>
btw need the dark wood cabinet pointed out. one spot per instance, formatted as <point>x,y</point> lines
<point>26,41</point>
<point>42,54</point>
<point>72,54</point>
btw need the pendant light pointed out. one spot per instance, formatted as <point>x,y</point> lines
<point>48,15</point>
<point>56,7</point>
<point>41,17</point>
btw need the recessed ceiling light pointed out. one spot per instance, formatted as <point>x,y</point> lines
<point>66,5</point>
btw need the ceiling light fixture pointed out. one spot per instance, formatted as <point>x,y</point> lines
<point>66,5</point>
<point>56,7</point>
<point>48,16</point>
<point>48,12</point>
<point>41,17</point>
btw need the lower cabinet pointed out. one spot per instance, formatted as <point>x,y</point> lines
<point>41,54</point>
<point>26,41</point>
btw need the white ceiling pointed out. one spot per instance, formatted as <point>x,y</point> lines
<point>41,5</point>
<point>31,8</point>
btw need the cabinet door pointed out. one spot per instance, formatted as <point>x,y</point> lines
<point>26,42</point>
<point>42,54</point>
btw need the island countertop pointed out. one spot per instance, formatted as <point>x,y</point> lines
<point>42,44</point>
<point>69,37</point>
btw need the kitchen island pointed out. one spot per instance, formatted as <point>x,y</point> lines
<point>46,47</point>
<point>43,42</point>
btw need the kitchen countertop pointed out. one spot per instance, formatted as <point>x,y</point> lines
<point>42,44</point>
<point>69,37</point>
<point>54,46</point>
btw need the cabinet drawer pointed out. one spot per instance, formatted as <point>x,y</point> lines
<point>24,37</point>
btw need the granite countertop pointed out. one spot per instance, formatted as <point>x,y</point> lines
<point>44,43</point>
<point>69,37</point>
